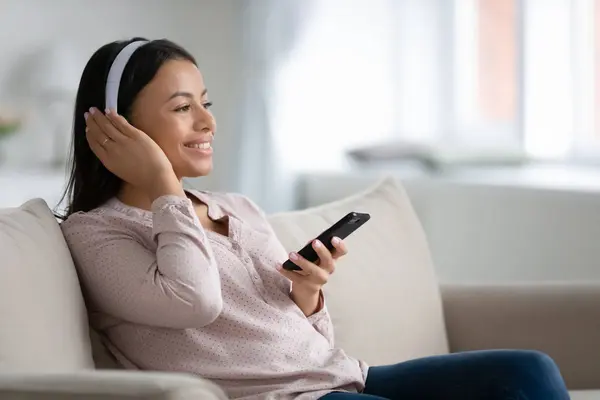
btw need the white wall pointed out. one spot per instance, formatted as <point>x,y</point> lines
<point>209,29</point>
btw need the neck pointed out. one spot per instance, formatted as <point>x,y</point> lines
<point>135,197</point>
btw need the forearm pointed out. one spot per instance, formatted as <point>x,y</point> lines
<point>186,267</point>
<point>318,316</point>
<point>309,303</point>
<point>165,185</point>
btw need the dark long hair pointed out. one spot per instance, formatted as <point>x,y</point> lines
<point>90,183</point>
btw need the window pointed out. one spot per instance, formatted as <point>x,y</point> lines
<point>533,65</point>
<point>514,75</point>
<point>485,98</point>
<point>497,59</point>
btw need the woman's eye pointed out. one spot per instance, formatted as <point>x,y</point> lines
<point>207,105</point>
<point>183,108</point>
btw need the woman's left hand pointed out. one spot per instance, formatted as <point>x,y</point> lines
<point>313,276</point>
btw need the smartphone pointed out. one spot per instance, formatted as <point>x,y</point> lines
<point>342,229</point>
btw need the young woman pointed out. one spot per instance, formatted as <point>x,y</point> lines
<point>191,281</point>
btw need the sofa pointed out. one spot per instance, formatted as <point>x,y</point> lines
<point>385,301</point>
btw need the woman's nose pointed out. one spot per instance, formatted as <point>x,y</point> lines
<point>204,120</point>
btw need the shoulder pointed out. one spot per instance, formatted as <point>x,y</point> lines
<point>85,231</point>
<point>82,223</point>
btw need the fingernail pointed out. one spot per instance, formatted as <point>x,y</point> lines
<point>92,110</point>
<point>318,243</point>
<point>107,111</point>
<point>293,256</point>
<point>86,115</point>
<point>336,240</point>
<point>279,267</point>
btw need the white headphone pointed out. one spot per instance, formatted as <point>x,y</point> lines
<point>116,73</point>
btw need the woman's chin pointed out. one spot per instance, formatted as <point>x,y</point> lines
<point>195,171</point>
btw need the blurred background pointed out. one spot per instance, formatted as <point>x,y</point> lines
<point>487,110</point>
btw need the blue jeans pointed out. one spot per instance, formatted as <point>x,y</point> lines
<point>485,375</point>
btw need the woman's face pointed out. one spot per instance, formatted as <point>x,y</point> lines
<point>173,110</point>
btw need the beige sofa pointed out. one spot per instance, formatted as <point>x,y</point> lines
<point>384,299</point>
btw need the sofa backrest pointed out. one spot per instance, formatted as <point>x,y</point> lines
<point>490,232</point>
<point>44,324</point>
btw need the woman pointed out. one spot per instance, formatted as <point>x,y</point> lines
<point>190,281</point>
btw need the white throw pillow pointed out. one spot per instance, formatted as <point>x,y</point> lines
<point>44,325</point>
<point>384,298</point>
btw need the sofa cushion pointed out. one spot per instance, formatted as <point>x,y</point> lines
<point>44,322</point>
<point>384,298</point>
<point>585,395</point>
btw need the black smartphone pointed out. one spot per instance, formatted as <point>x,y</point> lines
<point>342,229</point>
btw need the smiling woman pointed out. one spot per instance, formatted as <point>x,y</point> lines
<point>196,273</point>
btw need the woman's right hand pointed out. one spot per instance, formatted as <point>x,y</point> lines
<point>130,154</point>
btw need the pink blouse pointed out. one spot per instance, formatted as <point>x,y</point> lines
<point>169,295</point>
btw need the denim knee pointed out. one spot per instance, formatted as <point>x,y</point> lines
<point>536,362</point>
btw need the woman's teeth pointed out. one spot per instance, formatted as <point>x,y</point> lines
<point>205,145</point>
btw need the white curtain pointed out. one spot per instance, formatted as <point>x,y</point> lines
<point>270,30</point>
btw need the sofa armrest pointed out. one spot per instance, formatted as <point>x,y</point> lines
<point>106,385</point>
<point>560,319</point>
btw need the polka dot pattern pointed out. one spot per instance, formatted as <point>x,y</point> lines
<point>171,296</point>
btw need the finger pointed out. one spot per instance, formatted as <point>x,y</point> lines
<point>96,147</point>
<point>95,116</point>
<point>291,275</point>
<point>92,129</point>
<point>340,248</point>
<point>309,269</point>
<point>325,257</point>
<point>98,136</point>
<point>121,124</point>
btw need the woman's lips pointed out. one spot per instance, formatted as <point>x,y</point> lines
<point>204,148</point>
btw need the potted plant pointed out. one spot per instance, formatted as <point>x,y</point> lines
<point>8,126</point>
